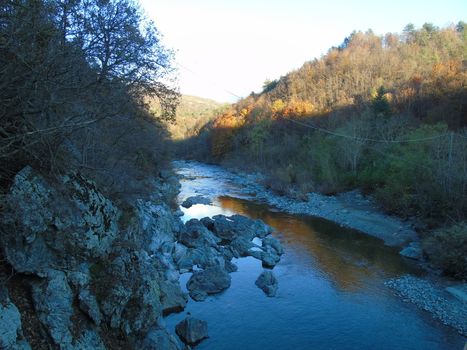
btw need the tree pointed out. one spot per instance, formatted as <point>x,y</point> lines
<point>69,64</point>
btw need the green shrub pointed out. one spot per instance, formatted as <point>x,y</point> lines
<point>447,248</point>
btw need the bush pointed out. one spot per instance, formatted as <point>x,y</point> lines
<point>447,248</point>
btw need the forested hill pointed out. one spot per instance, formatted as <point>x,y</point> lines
<point>419,72</point>
<point>192,114</point>
<point>386,114</point>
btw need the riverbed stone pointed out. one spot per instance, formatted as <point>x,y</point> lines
<point>212,280</point>
<point>274,243</point>
<point>190,201</point>
<point>240,247</point>
<point>230,227</point>
<point>458,291</point>
<point>268,283</point>
<point>192,331</point>
<point>413,251</point>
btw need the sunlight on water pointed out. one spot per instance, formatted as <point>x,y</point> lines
<point>331,292</point>
<point>199,211</point>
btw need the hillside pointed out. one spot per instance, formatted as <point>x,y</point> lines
<point>192,114</point>
<point>383,114</point>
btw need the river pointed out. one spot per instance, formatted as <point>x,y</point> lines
<point>331,292</point>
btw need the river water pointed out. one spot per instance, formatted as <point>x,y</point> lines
<point>331,292</point>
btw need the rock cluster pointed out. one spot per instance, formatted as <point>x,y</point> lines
<point>211,243</point>
<point>87,264</point>
<point>97,273</point>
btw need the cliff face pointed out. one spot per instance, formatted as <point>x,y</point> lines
<point>82,272</point>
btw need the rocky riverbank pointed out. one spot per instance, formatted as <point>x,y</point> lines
<point>350,209</point>
<point>80,271</point>
<point>446,303</point>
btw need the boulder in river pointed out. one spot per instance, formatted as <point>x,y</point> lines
<point>230,227</point>
<point>412,251</point>
<point>212,280</point>
<point>192,331</point>
<point>190,201</point>
<point>197,235</point>
<point>160,339</point>
<point>268,283</point>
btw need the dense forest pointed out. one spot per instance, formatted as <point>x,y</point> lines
<point>386,114</point>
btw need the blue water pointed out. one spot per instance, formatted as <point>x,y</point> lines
<point>331,292</point>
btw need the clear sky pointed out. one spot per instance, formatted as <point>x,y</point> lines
<point>226,48</point>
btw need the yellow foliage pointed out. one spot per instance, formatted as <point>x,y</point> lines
<point>278,106</point>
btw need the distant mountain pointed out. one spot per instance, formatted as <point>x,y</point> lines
<point>192,114</point>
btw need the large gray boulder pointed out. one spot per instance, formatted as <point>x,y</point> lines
<point>268,283</point>
<point>197,235</point>
<point>212,280</point>
<point>192,331</point>
<point>240,247</point>
<point>129,290</point>
<point>160,339</point>
<point>156,226</point>
<point>202,257</point>
<point>270,252</point>
<point>229,227</point>
<point>173,299</point>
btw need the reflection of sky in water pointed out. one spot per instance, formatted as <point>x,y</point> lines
<point>331,293</point>
<point>199,211</point>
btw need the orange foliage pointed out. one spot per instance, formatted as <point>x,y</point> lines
<point>224,129</point>
<point>298,108</point>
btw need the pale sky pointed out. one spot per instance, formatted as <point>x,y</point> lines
<point>227,48</point>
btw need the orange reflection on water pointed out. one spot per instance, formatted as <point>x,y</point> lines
<point>350,259</point>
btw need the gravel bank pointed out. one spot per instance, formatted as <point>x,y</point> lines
<point>432,297</point>
<point>350,209</point>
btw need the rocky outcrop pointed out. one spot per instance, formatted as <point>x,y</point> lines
<point>87,267</point>
<point>190,201</point>
<point>98,272</point>
<point>268,283</point>
<point>11,335</point>
<point>53,300</point>
<point>48,227</point>
<point>192,331</point>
